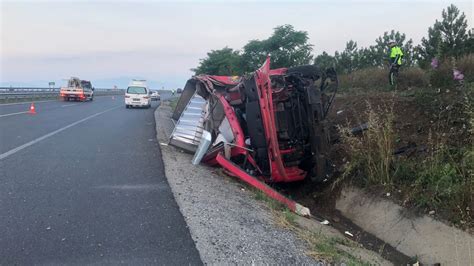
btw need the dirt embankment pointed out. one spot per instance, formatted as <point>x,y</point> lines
<point>432,137</point>
<point>431,134</point>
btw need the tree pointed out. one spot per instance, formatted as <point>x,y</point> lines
<point>429,47</point>
<point>380,50</point>
<point>453,29</point>
<point>224,62</point>
<point>367,57</point>
<point>325,60</point>
<point>286,46</point>
<point>470,42</point>
<point>446,38</point>
<point>347,61</point>
<point>254,55</point>
<point>377,55</point>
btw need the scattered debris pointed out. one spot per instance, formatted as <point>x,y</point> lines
<point>349,233</point>
<point>359,129</point>
<point>431,212</point>
<point>325,222</point>
<point>48,228</point>
<point>388,194</point>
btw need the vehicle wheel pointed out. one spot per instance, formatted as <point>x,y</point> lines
<point>127,106</point>
<point>92,98</point>
<point>308,71</point>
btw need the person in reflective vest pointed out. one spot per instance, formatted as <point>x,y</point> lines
<point>396,56</point>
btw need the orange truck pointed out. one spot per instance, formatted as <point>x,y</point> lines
<point>77,90</point>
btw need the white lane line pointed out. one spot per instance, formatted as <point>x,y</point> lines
<point>14,114</point>
<point>29,102</point>
<point>26,145</point>
<point>67,105</point>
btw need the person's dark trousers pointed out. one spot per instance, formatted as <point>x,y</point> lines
<point>393,69</point>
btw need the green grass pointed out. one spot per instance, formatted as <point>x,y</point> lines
<point>328,249</point>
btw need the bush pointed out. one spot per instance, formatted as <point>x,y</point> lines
<point>443,180</point>
<point>442,77</point>
<point>466,65</point>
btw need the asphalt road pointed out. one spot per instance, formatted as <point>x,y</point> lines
<point>83,183</point>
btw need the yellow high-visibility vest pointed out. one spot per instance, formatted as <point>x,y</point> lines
<point>396,53</point>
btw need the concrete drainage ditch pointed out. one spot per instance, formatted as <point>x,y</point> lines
<point>423,237</point>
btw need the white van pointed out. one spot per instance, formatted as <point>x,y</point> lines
<point>137,94</point>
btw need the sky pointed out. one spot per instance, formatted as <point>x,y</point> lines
<point>110,42</point>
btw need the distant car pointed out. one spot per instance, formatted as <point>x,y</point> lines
<point>155,96</point>
<point>179,90</point>
<point>138,94</point>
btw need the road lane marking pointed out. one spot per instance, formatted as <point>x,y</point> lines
<point>14,114</point>
<point>67,105</point>
<point>26,145</point>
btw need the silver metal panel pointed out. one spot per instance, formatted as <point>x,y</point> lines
<point>188,130</point>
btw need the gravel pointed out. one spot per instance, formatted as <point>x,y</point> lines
<point>227,223</point>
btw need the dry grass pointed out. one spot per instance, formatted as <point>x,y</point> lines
<point>413,77</point>
<point>331,250</point>
<point>372,152</point>
<point>377,79</point>
<point>439,178</point>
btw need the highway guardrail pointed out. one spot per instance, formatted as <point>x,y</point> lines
<point>15,94</point>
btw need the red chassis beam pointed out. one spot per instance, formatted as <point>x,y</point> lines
<point>244,176</point>
<point>279,173</point>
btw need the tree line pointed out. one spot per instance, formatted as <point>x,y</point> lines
<point>447,38</point>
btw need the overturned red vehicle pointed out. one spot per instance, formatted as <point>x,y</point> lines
<point>269,124</point>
